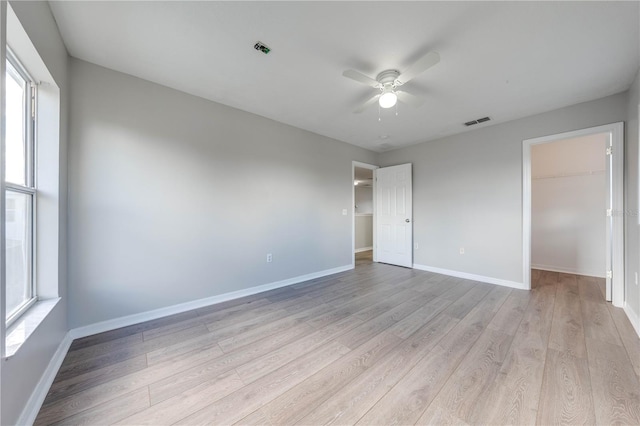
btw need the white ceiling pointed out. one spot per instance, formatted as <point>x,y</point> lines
<point>505,60</point>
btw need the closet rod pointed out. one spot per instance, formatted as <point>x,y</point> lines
<point>589,173</point>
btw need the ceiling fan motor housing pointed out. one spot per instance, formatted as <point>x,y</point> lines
<point>388,77</point>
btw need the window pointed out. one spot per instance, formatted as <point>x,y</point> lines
<point>20,187</point>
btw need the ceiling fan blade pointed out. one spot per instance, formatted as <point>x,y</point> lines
<point>423,64</point>
<point>361,78</point>
<point>409,99</point>
<point>372,100</point>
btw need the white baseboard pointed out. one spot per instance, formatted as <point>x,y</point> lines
<point>363,249</point>
<point>573,271</point>
<point>633,317</point>
<point>31,410</point>
<point>128,320</point>
<point>465,275</point>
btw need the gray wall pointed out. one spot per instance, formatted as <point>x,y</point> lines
<point>632,243</point>
<point>467,189</point>
<point>363,224</point>
<point>364,199</point>
<point>364,231</point>
<point>175,198</point>
<point>21,373</point>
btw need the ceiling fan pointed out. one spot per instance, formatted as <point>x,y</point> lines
<point>388,81</point>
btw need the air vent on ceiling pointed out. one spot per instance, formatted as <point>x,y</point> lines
<point>479,120</point>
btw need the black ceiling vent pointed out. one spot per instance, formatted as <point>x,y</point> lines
<point>478,121</point>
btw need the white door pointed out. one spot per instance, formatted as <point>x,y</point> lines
<point>609,219</point>
<point>393,215</point>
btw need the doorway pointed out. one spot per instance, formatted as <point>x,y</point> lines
<point>593,226</point>
<point>363,238</point>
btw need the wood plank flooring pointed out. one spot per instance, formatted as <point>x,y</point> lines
<point>376,345</point>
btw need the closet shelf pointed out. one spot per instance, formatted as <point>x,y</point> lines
<point>564,175</point>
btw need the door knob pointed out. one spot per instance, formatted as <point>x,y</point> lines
<point>407,220</point>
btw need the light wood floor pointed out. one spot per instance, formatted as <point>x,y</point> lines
<point>376,345</point>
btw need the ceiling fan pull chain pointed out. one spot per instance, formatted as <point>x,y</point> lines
<point>379,119</point>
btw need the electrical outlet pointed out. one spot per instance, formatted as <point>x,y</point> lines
<point>269,258</point>
<point>461,250</point>
<point>344,212</point>
<point>416,246</point>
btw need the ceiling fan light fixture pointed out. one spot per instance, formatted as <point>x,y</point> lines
<point>388,99</point>
<point>389,80</point>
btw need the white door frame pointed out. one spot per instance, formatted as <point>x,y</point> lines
<point>355,164</point>
<point>616,130</point>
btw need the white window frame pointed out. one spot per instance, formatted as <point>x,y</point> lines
<point>30,187</point>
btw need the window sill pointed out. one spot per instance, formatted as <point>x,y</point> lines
<point>24,326</point>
